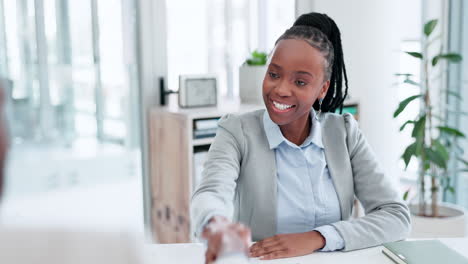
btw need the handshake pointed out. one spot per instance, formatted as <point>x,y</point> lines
<point>227,242</point>
<point>231,243</point>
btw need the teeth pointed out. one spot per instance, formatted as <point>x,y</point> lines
<point>281,106</point>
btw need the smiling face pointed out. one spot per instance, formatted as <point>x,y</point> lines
<point>294,80</point>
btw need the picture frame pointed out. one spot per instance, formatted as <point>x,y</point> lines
<point>199,90</point>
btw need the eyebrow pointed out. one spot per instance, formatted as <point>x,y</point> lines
<point>297,72</point>
<point>304,72</point>
<point>275,65</point>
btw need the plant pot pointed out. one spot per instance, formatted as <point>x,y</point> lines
<point>451,223</point>
<point>250,83</point>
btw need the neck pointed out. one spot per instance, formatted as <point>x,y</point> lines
<point>298,130</point>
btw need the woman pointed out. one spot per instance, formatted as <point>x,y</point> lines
<point>291,173</point>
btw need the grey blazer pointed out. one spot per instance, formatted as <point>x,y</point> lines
<point>239,181</point>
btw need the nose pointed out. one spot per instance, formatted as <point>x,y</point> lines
<point>283,89</point>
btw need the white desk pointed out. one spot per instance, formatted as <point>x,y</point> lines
<point>194,253</point>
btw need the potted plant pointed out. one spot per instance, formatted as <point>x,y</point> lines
<point>434,145</point>
<point>251,74</point>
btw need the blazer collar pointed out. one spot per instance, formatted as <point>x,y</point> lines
<point>275,137</point>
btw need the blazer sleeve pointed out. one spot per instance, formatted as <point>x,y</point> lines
<point>387,217</point>
<point>215,193</point>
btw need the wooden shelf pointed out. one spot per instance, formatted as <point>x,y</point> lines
<point>202,141</point>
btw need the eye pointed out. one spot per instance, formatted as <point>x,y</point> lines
<point>273,75</point>
<point>300,83</point>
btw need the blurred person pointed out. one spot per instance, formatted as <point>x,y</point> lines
<point>291,173</point>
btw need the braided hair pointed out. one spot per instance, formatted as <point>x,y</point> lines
<point>334,98</point>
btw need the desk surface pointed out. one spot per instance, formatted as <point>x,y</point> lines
<point>194,253</point>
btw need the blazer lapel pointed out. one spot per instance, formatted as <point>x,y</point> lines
<point>263,217</point>
<point>337,159</point>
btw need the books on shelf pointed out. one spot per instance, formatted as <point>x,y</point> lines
<point>204,133</point>
<point>422,252</point>
<point>203,128</point>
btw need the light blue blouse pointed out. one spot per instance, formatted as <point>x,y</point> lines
<point>307,199</point>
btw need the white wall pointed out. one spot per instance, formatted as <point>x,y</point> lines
<point>371,34</point>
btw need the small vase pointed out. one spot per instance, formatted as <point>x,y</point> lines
<point>250,83</point>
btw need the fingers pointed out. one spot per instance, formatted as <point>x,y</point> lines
<point>267,250</point>
<point>224,237</point>
<point>209,257</point>
<point>267,242</point>
<point>214,244</point>
<point>246,236</point>
<point>275,255</point>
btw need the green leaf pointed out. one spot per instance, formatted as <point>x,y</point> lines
<point>257,54</point>
<point>451,189</point>
<point>404,103</point>
<point>429,27</point>
<point>452,57</point>
<point>404,74</point>
<point>435,60</point>
<point>406,123</point>
<point>427,165</point>
<point>408,81</point>
<point>451,131</point>
<point>415,54</point>
<point>419,126</point>
<point>418,134</point>
<point>409,152</point>
<point>257,58</point>
<point>441,149</point>
<point>436,158</point>
<point>405,195</point>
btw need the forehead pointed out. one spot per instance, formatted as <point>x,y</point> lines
<point>297,54</point>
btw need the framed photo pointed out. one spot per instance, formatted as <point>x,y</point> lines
<point>198,90</point>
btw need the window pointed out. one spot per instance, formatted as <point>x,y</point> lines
<point>220,35</point>
<point>72,67</point>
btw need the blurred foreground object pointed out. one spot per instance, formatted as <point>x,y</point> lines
<point>227,242</point>
<point>31,246</point>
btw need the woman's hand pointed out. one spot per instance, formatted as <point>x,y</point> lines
<point>225,237</point>
<point>288,245</point>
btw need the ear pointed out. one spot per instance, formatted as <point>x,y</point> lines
<point>324,90</point>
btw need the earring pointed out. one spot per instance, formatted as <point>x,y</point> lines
<point>320,109</point>
<point>320,106</point>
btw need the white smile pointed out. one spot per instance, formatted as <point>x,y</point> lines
<point>281,106</point>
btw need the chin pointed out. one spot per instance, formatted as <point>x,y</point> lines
<point>278,119</point>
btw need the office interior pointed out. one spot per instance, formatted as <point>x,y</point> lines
<point>83,80</point>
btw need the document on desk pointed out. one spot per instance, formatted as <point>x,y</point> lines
<point>422,252</point>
